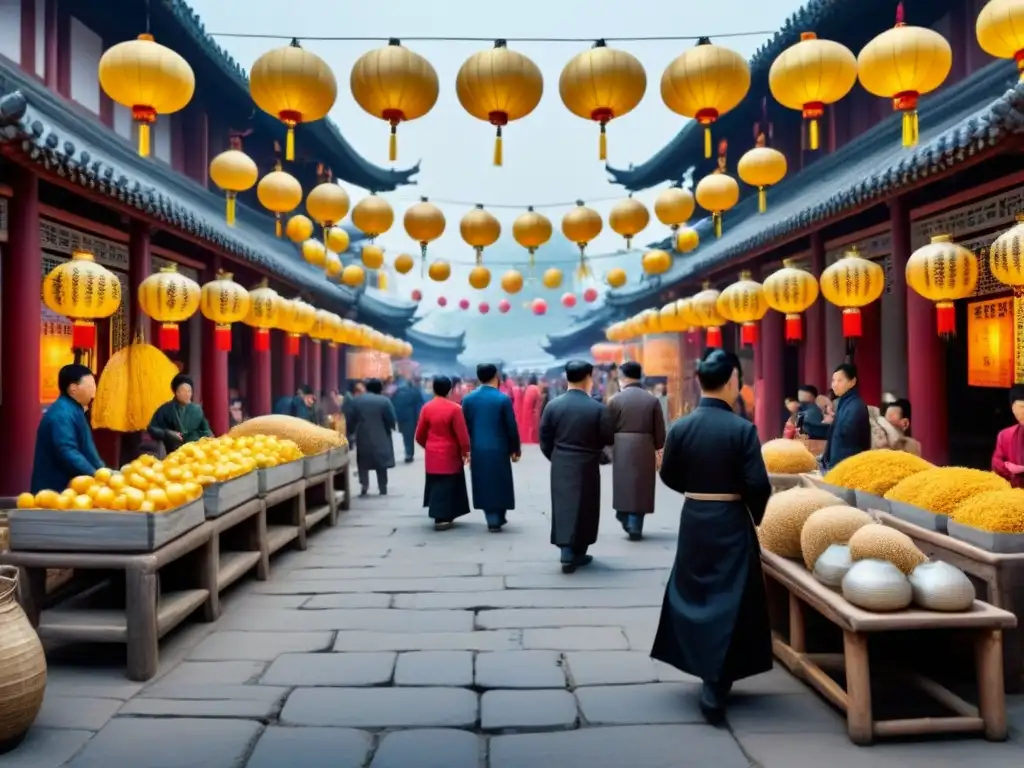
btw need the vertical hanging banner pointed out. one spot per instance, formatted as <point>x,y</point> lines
<point>995,342</point>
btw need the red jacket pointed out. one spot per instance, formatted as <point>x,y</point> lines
<point>442,434</point>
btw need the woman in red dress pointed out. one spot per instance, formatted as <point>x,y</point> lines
<point>442,434</point>
<point>532,401</point>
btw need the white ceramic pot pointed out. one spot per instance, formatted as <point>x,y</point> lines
<point>832,566</point>
<point>877,585</point>
<point>939,586</point>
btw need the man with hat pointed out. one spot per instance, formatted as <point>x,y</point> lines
<point>636,419</point>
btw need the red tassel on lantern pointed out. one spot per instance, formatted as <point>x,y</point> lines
<point>83,334</point>
<point>748,334</point>
<point>222,338</point>
<point>852,328</point>
<point>945,315</point>
<point>261,343</point>
<point>794,328</point>
<point>715,337</point>
<point>291,346</point>
<point>170,339</point>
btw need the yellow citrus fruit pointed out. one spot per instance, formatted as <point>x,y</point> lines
<point>81,484</point>
<point>64,502</point>
<point>117,482</point>
<point>175,495</point>
<point>174,473</point>
<point>104,498</point>
<point>103,474</point>
<point>120,503</point>
<point>147,506</point>
<point>46,499</point>
<point>158,496</point>
<point>146,460</point>
<point>159,479</point>
<point>69,492</point>
<point>81,502</point>
<point>26,501</point>
<point>136,480</point>
<point>192,490</point>
<point>93,490</point>
<point>134,498</point>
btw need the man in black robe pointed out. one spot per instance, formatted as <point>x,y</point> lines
<point>714,619</point>
<point>573,435</point>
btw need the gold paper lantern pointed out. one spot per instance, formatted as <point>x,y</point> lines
<point>657,262</point>
<point>147,78</point>
<point>512,282</point>
<point>762,167</point>
<point>480,277</point>
<point>332,265</point>
<point>479,229</point>
<point>903,64</point>
<point>811,74</point>
<point>616,277</point>
<point>687,317</point>
<point>704,83</point>
<point>552,278</point>
<point>424,223</point>
<point>372,256</point>
<point>404,263</point>
<point>264,307</point>
<point>327,203</point>
<point>234,172</point>
<point>323,326</point>
<point>373,216</point>
<point>396,85</point>
<point>223,302</point>
<point>498,86</point>
<point>943,272</point>
<point>602,84</point>
<point>279,193</point>
<point>851,283</point>
<point>668,318</point>
<point>169,298</point>
<point>580,226</point>
<point>1004,260</point>
<point>744,303</point>
<point>629,218</point>
<point>531,230</point>
<point>1000,31</point>
<point>337,240</point>
<point>82,291</point>
<point>704,307</point>
<point>293,85</point>
<point>717,193</point>
<point>674,206</point>
<point>687,239</point>
<point>353,275</point>
<point>296,318</point>
<point>298,228</point>
<point>439,271</point>
<point>791,291</point>
<point>314,252</point>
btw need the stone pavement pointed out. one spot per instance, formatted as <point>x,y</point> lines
<point>389,645</point>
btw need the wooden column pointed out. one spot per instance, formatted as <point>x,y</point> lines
<point>768,412</point>
<point>305,376</point>
<point>330,369</point>
<point>215,368</point>
<point>316,357</point>
<point>894,303</point>
<point>259,381</point>
<point>815,367</point>
<point>869,354</point>
<point>139,267</point>
<point>287,364</point>
<point>926,380</point>
<point>21,274</point>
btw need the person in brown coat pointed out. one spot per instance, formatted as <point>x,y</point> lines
<point>638,422</point>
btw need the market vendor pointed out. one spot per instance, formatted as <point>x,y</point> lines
<point>179,420</point>
<point>1008,457</point>
<point>64,444</point>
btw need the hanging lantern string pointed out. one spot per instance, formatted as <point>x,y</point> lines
<point>456,39</point>
<point>509,206</point>
<point>575,262</point>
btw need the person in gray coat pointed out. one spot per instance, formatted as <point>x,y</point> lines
<point>638,422</point>
<point>372,423</point>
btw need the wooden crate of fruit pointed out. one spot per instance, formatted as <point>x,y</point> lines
<point>271,478</point>
<point>230,494</point>
<point>338,458</point>
<point>100,530</point>
<point>314,466</point>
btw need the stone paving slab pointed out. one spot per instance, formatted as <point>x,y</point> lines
<point>534,598</point>
<point>584,579</point>
<point>212,701</point>
<point>783,713</point>
<point>640,704</point>
<point>610,668</point>
<point>75,712</point>
<point>387,571</point>
<point>259,646</point>
<point>434,668</point>
<point>527,710</point>
<point>368,619</point>
<point>575,639</point>
<point>381,707</point>
<point>169,743</point>
<point>648,561</point>
<point>212,673</point>
<point>426,587</point>
<point>46,748</point>
<point>428,748</point>
<point>528,618</point>
<point>311,748</point>
<point>331,669</point>
<point>519,669</point>
<point>497,640</point>
<point>104,683</point>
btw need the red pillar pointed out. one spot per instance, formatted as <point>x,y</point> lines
<point>771,350</point>
<point>868,356</point>
<point>139,267</point>
<point>316,357</point>
<point>330,372</point>
<point>287,363</point>
<point>815,369</point>
<point>305,362</point>
<point>215,371</point>
<point>21,275</point>
<point>259,372</point>
<point>926,380</point>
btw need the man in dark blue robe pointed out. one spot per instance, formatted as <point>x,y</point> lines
<point>64,444</point>
<point>714,619</point>
<point>494,445</point>
<point>408,401</point>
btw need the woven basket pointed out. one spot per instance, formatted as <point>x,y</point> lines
<point>22,665</point>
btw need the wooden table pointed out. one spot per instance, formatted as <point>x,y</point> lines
<point>286,516</point>
<point>1002,575</point>
<point>238,545</point>
<point>341,482</point>
<point>149,612</point>
<point>320,501</point>
<point>984,621</point>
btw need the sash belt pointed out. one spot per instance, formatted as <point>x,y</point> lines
<point>713,496</point>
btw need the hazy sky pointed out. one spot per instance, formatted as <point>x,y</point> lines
<point>550,155</point>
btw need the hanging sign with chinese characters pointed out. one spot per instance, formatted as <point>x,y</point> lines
<point>995,345</point>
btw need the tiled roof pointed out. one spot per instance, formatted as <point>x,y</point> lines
<point>446,346</point>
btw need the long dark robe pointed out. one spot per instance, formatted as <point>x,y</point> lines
<point>573,433</point>
<point>714,619</point>
<point>445,496</point>
<point>493,439</point>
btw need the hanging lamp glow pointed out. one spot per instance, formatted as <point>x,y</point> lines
<point>687,239</point>
<point>233,171</point>
<point>716,193</point>
<point>531,230</point>
<point>327,203</point>
<point>169,298</point>
<point>744,303</point>
<point>704,307</point>
<point>674,206</point>
<point>762,167</point>
<point>298,228</point>
<point>280,193</point>
<point>1000,31</point>
<point>264,306</point>
<point>479,229</point>
<point>424,222</point>
<point>84,292</point>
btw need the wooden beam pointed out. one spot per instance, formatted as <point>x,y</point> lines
<point>968,195</point>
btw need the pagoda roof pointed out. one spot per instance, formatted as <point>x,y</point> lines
<point>868,170</point>
<point>341,156</point>
<point>586,331</point>
<point>447,346</point>
<point>850,23</point>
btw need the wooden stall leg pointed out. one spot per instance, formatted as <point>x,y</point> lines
<point>332,517</point>
<point>209,558</point>
<point>141,616</point>
<point>346,486</point>
<point>299,519</point>
<point>32,593</point>
<point>797,625</point>
<point>858,688</point>
<point>260,542</point>
<point>988,658</point>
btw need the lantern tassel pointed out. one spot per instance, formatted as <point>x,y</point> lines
<point>143,139</point>
<point>716,218</point>
<point>707,141</point>
<point>289,144</point>
<point>815,136</point>
<point>748,334</point>
<point>291,347</point>
<point>170,339</point>
<point>910,128</point>
<point>602,143</point>
<point>852,327</point>
<point>715,337</point>
<point>229,213</point>
<point>261,342</point>
<point>794,328</point>
<point>946,319</point>
<point>1019,58</point>
<point>277,225</point>
<point>83,334</point>
<point>222,338</point>
<point>498,153</point>
<point>762,200</point>
<point>393,144</point>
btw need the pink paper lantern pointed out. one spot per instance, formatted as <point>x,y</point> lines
<point>442,301</point>
<point>417,294</point>
<point>590,295</point>
<point>540,307</point>
<point>463,304</point>
<point>484,307</point>
<point>504,306</point>
<point>568,300</point>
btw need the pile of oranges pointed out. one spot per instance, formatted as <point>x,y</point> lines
<point>150,485</point>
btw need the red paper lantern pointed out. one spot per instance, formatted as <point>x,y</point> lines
<point>417,294</point>
<point>463,304</point>
<point>540,307</point>
<point>568,300</point>
<point>590,295</point>
<point>504,306</point>
<point>714,337</point>
<point>484,307</point>
<point>442,301</point>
